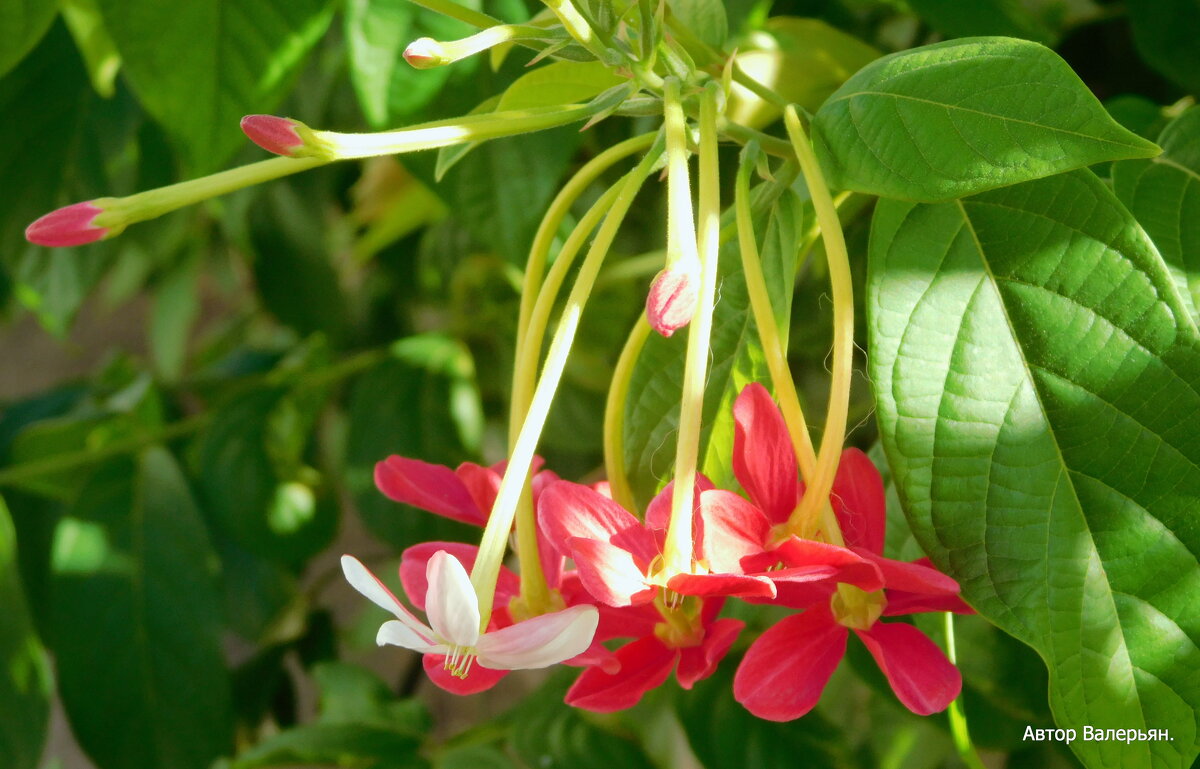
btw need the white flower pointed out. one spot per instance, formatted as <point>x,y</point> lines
<point>453,611</point>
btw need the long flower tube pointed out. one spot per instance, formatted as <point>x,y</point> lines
<point>285,136</point>
<point>104,218</point>
<point>495,536</point>
<point>805,517</point>
<point>677,553</point>
<point>614,415</point>
<point>427,53</point>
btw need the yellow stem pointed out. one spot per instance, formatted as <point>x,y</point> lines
<point>768,330</point>
<point>614,415</point>
<point>816,496</point>
<point>677,550</point>
<point>495,535</point>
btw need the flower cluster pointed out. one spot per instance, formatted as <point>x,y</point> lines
<point>617,589</point>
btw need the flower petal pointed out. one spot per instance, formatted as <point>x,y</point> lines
<point>362,580</point>
<point>610,573</point>
<point>414,563</point>
<point>920,675</point>
<point>786,669</point>
<point>396,633</point>
<point>741,585</point>
<point>859,501</point>
<point>911,577</point>
<point>430,487</point>
<point>451,603</point>
<point>567,510</point>
<point>900,602</point>
<point>541,641</point>
<point>733,529</point>
<point>698,662</point>
<point>478,678</point>
<point>645,664</point>
<point>764,461</point>
<point>658,512</point>
<point>482,483</point>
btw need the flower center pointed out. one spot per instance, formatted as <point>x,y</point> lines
<point>458,662</point>
<point>855,608</point>
<point>681,626</point>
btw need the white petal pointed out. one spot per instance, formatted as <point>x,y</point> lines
<point>399,634</point>
<point>362,580</point>
<point>541,641</point>
<point>451,603</point>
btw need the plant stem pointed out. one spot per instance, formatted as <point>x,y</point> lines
<point>495,535</point>
<point>456,11</point>
<point>958,719</point>
<point>768,330</point>
<point>614,415</point>
<point>678,547</point>
<point>816,497</point>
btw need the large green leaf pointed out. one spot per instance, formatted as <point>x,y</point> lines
<point>137,621</point>
<point>735,360</point>
<point>22,24</point>
<point>1163,194</point>
<point>24,670</point>
<point>963,116</point>
<point>1035,373</point>
<point>1164,32</point>
<point>200,66</point>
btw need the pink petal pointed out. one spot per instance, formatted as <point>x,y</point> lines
<point>784,672</point>
<point>658,512</point>
<point>859,501</point>
<point>911,577</point>
<point>396,633</point>
<point>362,580</point>
<point>645,664</point>
<point>610,573</point>
<point>624,622</point>
<point>763,459</point>
<point>568,510</point>
<point>451,603</point>
<point>740,585</point>
<point>595,655</point>
<point>478,678</point>
<point>541,641</point>
<point>672,298</point>
<point>733,529</point>
<point>900,602</point>
<point>68,226</point>
<point>698,662</point>
<point>920,675</point>
<point>274,134</point>
<point>414,563</point>
<point>430,487</point>
<point>481,483</point>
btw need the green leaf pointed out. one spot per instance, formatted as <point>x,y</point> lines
<point>802,60</point>
<point>1163,32</point>
<point>736,359</point>
<point>474,757</point>
<point>199,67</point>
<point>25,683</point>
<point>1163,194</point>
<point>705,18</point>
<point>137,621</point>
<point>560,82</point>
<point>341,745</point>
<point>963,116</point>
<point>83,19</point>
<point>22,24</point>
<point>354,695</point>
<point>1009,18</point>
<point>1035,374</point>
<point>176,305</point>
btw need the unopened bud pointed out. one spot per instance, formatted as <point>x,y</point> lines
<point>425,53</point>
<point>279,135</point>
<point>672,299</point>
<point>73,225</point>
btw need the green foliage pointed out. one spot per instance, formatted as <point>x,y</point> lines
<point>1161,32</point>
<point>960,117</point>
<point>137,621</point>
<point>1034,371</point>
<point>1009,18</point>
<point>25,681</point>
<point>22,24</point>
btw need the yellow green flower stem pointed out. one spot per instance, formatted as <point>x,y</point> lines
<point>579,27</point>
<point>614,415</point>
<point>958,719</point>
<point>677,549</point>
<point>441,53</point>
<point>768,331</point>
<point>816,497</point>
<point>495,535</point>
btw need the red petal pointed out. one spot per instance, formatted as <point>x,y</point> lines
<point>912,577</point>
<point>859,501</point>
<point>68,226</point>
<point>900,602</point>
<point>481,483</point>
<point>272,133</point>
<point>915,666</point>
<point>763,459</point>
<point>568,510</point>
<point>698,662</point>
<point>733,529</point>
<point>645,664</point>
<point>415,560</point>
<point>478,679</point>
<point>430,487</point>
<point>624,622</point>
<point>610,573</point>
<point>786,669</point>
<point>854,568</point>
<point>741,585</point>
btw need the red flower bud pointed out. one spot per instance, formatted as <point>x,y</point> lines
<point>274,134</point>
<point>672,299</point>
<point>70,226</point>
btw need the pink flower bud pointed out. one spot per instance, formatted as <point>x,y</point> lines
<point>672,299</point>
<point>70,226</point>
<point>424,53</point>
<point>274,134</point>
